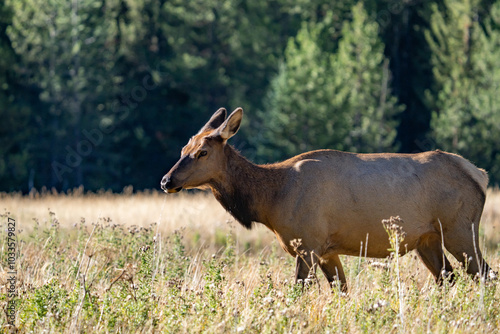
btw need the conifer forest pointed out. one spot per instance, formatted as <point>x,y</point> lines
<point>104,93</point>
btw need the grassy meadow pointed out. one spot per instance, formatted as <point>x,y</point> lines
<point>151,262</point>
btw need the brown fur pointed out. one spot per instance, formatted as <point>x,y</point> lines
<point>333,200</point>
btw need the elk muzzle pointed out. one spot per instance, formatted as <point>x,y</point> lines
<point>167,185</point>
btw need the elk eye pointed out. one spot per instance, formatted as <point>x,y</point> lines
<point>202,154</point>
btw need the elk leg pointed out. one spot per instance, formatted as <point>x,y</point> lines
<point>468,253</point>
<point>303,266</point>
<point>462,237</point>
<point>332,268</point>
<point>431,253</point>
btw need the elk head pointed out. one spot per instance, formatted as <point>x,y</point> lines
<point>202,160</point>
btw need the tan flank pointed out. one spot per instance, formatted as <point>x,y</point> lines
<point>334,202</point>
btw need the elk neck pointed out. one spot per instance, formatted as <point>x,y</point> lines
<point>247,190</point>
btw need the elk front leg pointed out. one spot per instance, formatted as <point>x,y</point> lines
<point>332,268</point>
<point>303,267</point>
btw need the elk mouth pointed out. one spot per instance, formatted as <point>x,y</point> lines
<point>173,190</point>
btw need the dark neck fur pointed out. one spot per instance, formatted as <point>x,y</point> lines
<point>242,191</point>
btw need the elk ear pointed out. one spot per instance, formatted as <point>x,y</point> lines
<point>215,121</point>
<point>231,125</point>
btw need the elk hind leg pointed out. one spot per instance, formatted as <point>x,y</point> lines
<point>464,246</point>
<point>461,238</point>
<point>431,252</point>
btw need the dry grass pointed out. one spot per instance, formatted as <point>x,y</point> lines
<point>205,273</point>
<point>490,221</point>
<point>200,216</point>
<point>196,214</point>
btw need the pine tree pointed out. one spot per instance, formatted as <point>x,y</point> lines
<point>361,71</point>
<point>402,27</point>
<point>297,104</point>
<point>466,49</point>
<point>65,50</point>
<point>335,100</point>
<point>14,115</point>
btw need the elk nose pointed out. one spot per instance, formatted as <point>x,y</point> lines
<point>165,182</point>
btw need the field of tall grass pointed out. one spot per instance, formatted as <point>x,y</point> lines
<point>151,262</point>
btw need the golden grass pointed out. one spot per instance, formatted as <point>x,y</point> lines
<point>199,215</point>
<point>228,279</point>
<point>490,221</point>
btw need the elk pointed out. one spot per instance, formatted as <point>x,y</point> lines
<point>332,200</point>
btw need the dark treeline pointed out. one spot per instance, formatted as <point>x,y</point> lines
<point>104,93</point>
